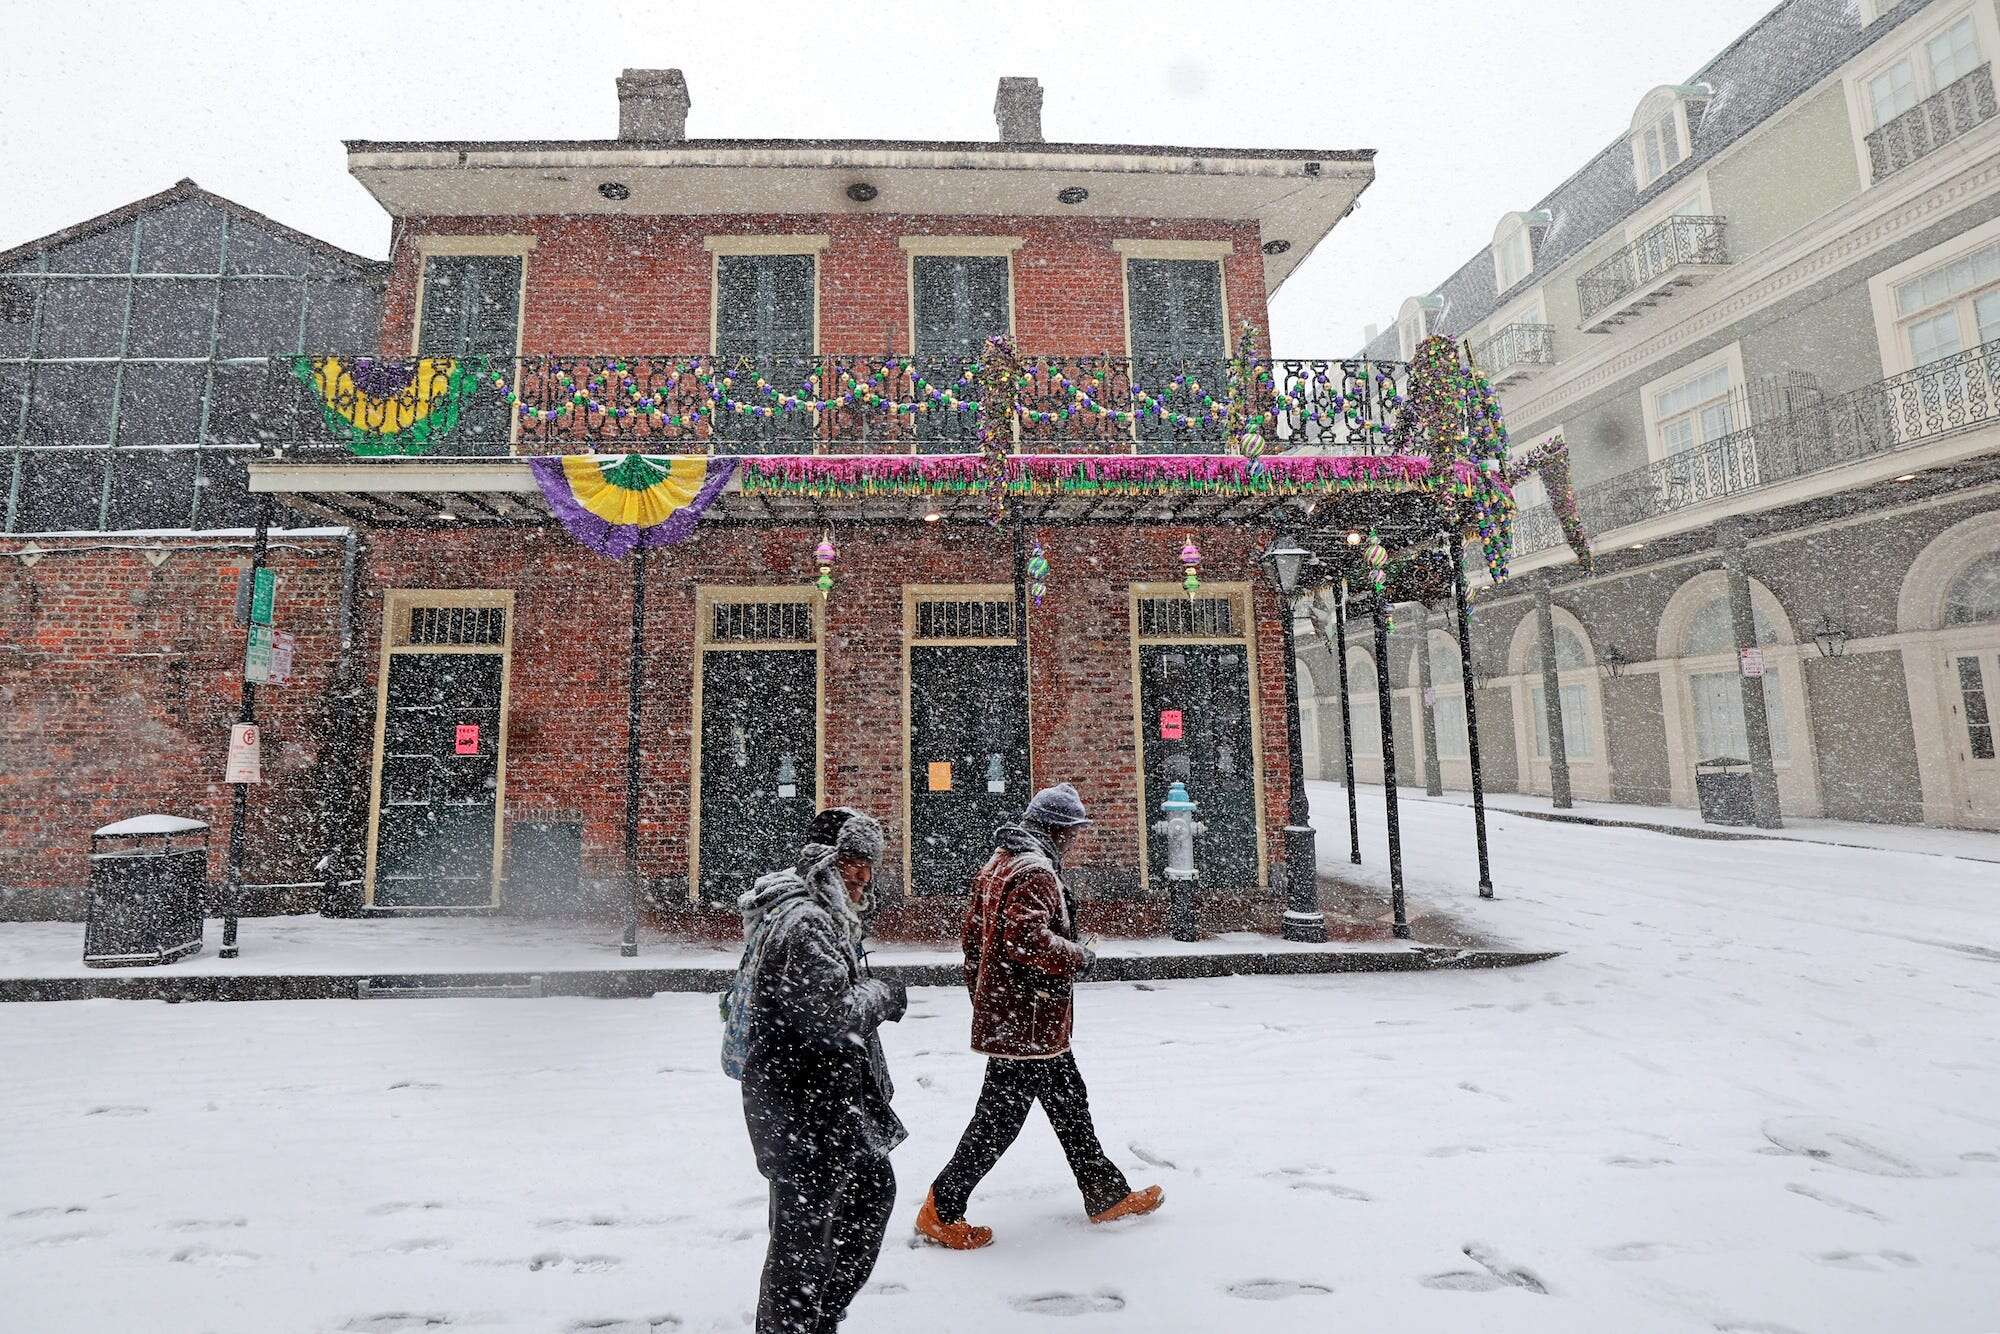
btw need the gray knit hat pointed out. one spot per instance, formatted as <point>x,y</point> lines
<point>1058,807</point>
<point>848,832</point>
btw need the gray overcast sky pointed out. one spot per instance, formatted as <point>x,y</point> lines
<point>1475,106</point>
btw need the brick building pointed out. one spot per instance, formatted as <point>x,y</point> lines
<point>787,343</point>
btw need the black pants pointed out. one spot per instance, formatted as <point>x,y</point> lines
<point>1011,1087</point>
<point>827,1220</point>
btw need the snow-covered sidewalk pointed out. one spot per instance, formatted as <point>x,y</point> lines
<point>1761,1093</point>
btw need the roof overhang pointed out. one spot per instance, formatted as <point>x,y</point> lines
<point>1294,196</point>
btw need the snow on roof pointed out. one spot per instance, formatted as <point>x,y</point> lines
<point>151,824</point>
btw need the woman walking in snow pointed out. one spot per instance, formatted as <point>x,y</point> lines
<point>816,1089</point>
<point>1021,959</point>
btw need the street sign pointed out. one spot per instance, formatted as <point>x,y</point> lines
<point>245,763</point>
<point>257,655</point>
<point>1170,724</point>
<point>284,648</point>
<point>263,596</point>
<point>1751,660</point>
<point>465,741</point>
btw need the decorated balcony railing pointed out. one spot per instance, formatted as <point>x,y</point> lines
<point>1918,407</point>
<point>1675,252</point>
<point>1959,106</point>
<point>476,407</point>
<point>1516,352</point>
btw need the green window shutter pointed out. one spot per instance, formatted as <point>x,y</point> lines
<point>1176,329</point>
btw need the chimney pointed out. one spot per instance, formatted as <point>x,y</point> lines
<point>652,105</point>
<point>1017,108</point>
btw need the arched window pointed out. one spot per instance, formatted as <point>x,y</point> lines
<point>1570,651</point>
<point>1974,597</point>
<point>1719,728</point>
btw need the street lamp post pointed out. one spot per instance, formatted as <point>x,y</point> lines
<point>1285,560</point>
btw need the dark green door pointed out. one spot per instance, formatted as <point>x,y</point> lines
<point>472,307</point>
<point>1178,349</point>
<point>1208,687</point>
<point>440,788</point>
<point>759,763</point>
<point>968,759</point>
<point>764,326</point>
<point>961,302</point>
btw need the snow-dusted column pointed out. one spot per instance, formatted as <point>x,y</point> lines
<point>1764,811</point>
<point>1427,706</point>
<point>1552,709</point>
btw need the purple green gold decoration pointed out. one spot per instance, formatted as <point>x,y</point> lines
<point>390,406</point>
<point>1191,562</point>
<point>617,504</point>
<point>1038,572</point>
<point>825,553</point>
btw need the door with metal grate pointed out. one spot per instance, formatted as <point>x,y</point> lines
<point>968,761</point>
<point>472,307</point>
<point>1194,703</point>
<point>764,327</point>
<point>438,808</point>
<point>961,302</point>
<point>759,763</point>
<point>1178,347</point>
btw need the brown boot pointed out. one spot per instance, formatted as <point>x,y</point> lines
<point>1138,1202</point>
<point>959,1236</point>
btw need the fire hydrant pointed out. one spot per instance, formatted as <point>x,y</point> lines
<point>1179,826</point>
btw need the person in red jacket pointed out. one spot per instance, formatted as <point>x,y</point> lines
<point>1021,958</point>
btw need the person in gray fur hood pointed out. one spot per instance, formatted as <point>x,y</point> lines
<point>816,1088</point>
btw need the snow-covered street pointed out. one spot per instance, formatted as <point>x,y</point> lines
<point>1760,1093</point>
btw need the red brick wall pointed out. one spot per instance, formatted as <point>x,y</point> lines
<point>119,680</point>
<point>636,285</point>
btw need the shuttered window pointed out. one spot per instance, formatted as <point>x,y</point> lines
<point>961,301</point>
<point>764,326</point>
<point>472,307</point>
<point>1176,312</point>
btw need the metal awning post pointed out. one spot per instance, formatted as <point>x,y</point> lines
<point>1346,724</point>
<point>1456,552</point>
<point>1400,926</point>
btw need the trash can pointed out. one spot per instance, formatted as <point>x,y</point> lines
<point>1723,789</point>
<point>146,880</point>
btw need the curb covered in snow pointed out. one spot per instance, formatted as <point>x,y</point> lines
<point>640,982</point>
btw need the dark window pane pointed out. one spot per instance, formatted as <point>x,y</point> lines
<point>82,317</point>
<point>182,238</point>
<point>17,314</point>
<point>109,251</point>
<point>260,318</point>
<point>61,490</point>
<point>152,488</point>
<point>343,317</point>
<point>253,251</point>
<point>72,405</point>
<point>161,405</point>
<point>471,305</point>
<point>225,490</point>
<point>236,403</point>
<point>13,384</point>
<point>171,317</point>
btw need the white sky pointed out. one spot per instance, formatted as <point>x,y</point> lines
<point>1475,107</point>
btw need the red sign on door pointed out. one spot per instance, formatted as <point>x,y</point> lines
<point>468,739</point>
<point>1170,724</point>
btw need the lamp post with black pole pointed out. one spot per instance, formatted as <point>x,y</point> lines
<point>1285,560</point>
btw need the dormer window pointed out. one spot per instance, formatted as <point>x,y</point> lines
<point>1514,248</point>
<point>1415,322</point>
<point>1663,129</point>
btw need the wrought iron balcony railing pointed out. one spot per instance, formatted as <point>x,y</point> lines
<point>1516,348</point>
<point>1677,243</point>
<point>1932,123</point>
<point>847,404</point>
<point>1920,406</point>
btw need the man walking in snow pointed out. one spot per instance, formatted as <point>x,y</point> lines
<point>816,1089</point>
<point>1021,959</point>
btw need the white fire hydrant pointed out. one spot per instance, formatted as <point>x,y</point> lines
<point>1178,824</point>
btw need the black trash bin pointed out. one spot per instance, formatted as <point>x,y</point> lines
<point>1723,789</point>
<point>146,880</point>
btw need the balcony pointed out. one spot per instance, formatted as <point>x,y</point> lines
<point>1932,123</point>
<point>1516,352</point>
<point>1666,258</point>
<point>1919,407</point>
<point>708,403</point>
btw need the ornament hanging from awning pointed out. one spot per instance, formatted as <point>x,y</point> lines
<point>390,406</point>
<point>614,505</point>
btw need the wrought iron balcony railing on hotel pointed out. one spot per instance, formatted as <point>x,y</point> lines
<point>1932,123</point>
<point>1677,243</point>
<point>846,404</point>
<point>1937,400</point>
<point>1514,349</point>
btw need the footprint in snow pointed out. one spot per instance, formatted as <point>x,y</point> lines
<point>62,1239</point>
<point>422,1086</point>
<point>1507,1271</point>
<point>45,1210</point>
<point>1335,1189</point>
<point>415,1246</point>
<point>1753,1327</point>
<point>1462,1280</point>
<point>1467,1086</point>
<point>1275,1290</point>
<point>210,1257</point>
<point>891,1289</point>
<point>1848,1145</point>
<point>1867,1259</point>
<point>404,1206</point>
<point>575,1264</point>
<point>1629,1160</point>
<point>1150,1158</point>
<point>614,1325</point>
<point>118,1109</point>
<point>207,1224</point>
<point>1068,1303</point>
<point>395,1322</point>
<point>1633,1250</point>
<point>1453,1150</point>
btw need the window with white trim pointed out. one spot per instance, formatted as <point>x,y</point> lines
<point>1659,147</point>
<point>1953,307</point>
<point>1695,411</point>
<point>1513,258</point>
<point>1946,56</point>
<point>1575,696</point>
